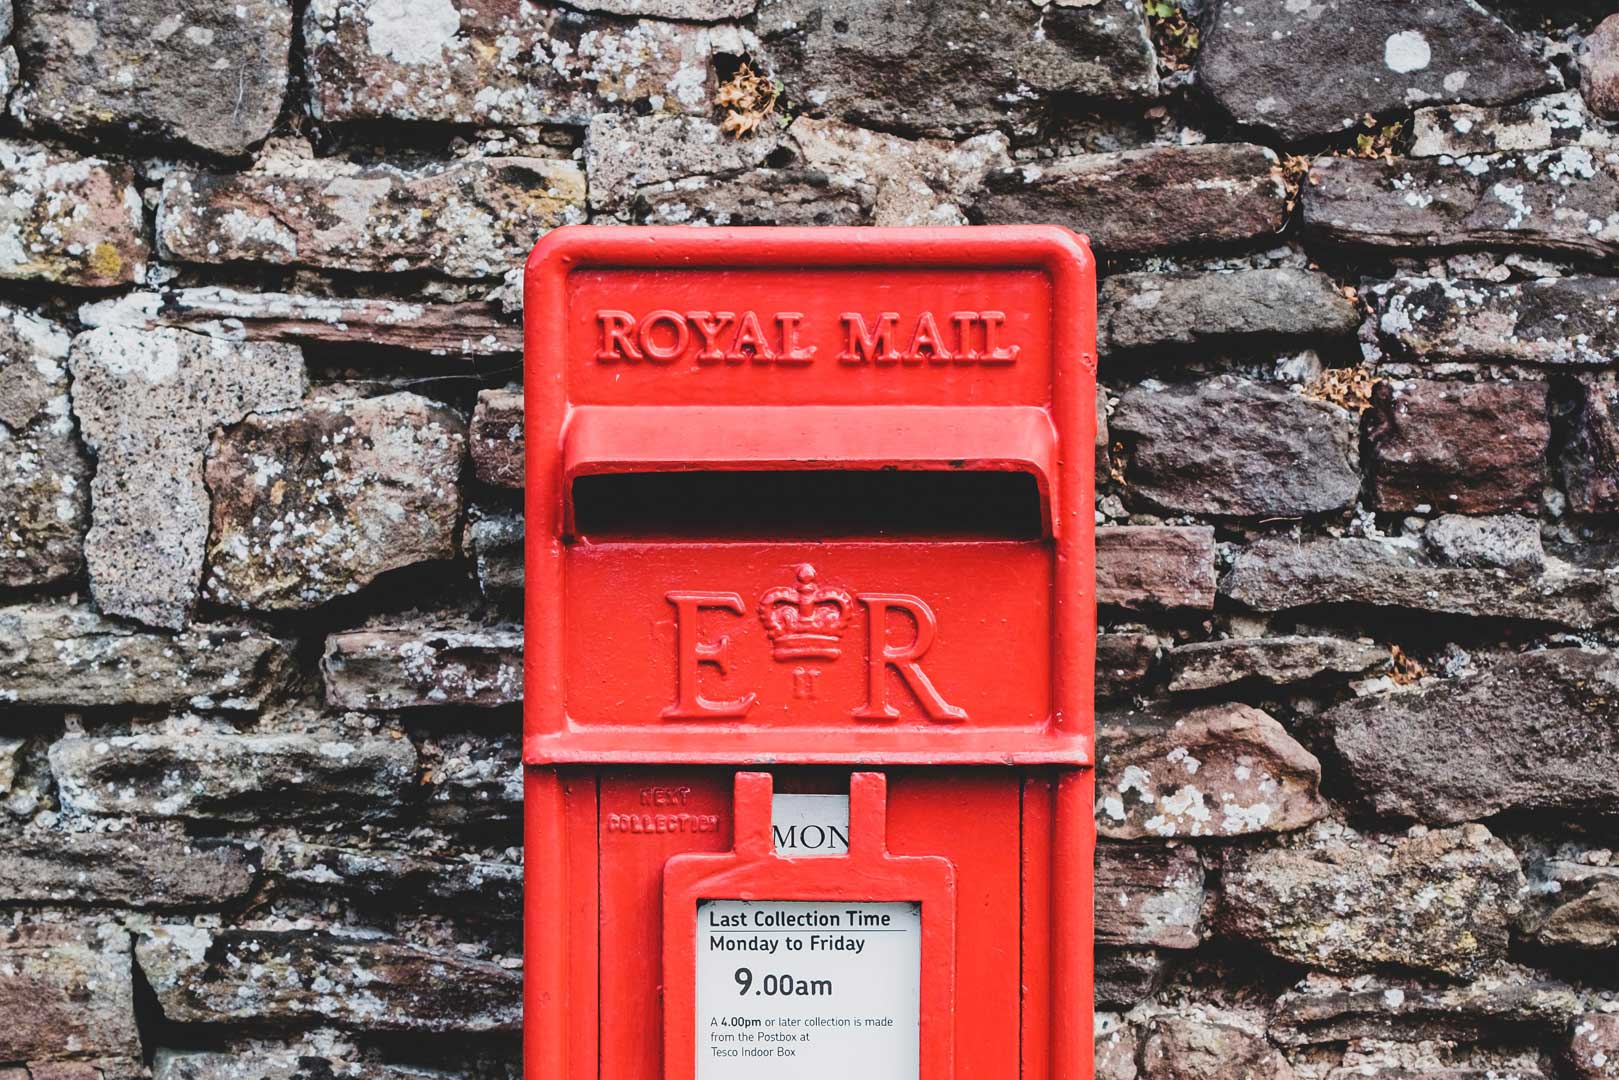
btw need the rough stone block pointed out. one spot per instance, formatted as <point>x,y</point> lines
<point>139,868</point>
<point>208,775</point>
<point>147,402</point>
<point>1149,896</point>
<point>473,218</point>
<point>1242,307</point>
<point>1155,567</point>
<point>68,220</point>
<point>1537,124</point>
<point>1454,447</point>
<point>1145,200</point>
<point>494,541</point>
<point>1559,201</point>
<point>760,197</point>
<point>1305,71</point>
<point>625,155</point>
<point>316,502</point>
<point>70,657</point>
<point>223,976</point>
<point>1230,446</point>
<point>401,880</point>
<point>940,68</point>
<point>1210,1044</point>
<point>1506,542</point>
<point>1588,459</point>
<point>473,779</point>
<point>1599,68</point>
<point>1454,750</point>
<point>1345,902</point>
<point>1124,661</point>
<point>496,437</point>
<point>44,471</point>
<point>67,993</point>
<point>1225,770</point>
<point>504,62</point>
<point>1552,321</point>
<point>1593,1045</point>
<point>1507,1003</point>
<point>1275,661</point>
<point>407,667</point>
<point>1127,977</point>
<point>472,329</point>
<point>1278,573</point>
<point>1573,897</point>
<point>210,75</point>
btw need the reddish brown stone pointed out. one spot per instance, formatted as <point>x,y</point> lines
<point>1148,896</point>
<point>68,220</point>
<point>1155,567</point>
<point>66,993</point>
<point>497,438</point>
<point>1599,68</point>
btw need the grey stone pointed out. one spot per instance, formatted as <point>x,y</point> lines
<point>1124,661</point>
<point>147,402</point>
<point>470,329</point>
<point>1155,567</point>
<point>471,218</point>
<point>940,68</point>
<point>198,72</point>
<point>1552,321</point>
<point>1127,977</point>
<point>67,993</point>
<point>314,503</point>
<point>218,976</point>
<point>1507,1003</point>
<point>1599,68</point>
<point>1220,771</point>
<point>1305,70</point>
<point>1230,446</point>
<point>1536,124</point>
<point>494,541</point>
<point>1136,201</point>
<point>684,10</point>
<point>916,181</point>
<point>1454,750</point>
<point>1588,460</point>
<point>1456,447</point>
<point>1440,901</point>
<point>1277,573</point>
<point>227,776</point>
<point>504,62</point>
<point>44,471</point>
<point>319,1055</point>
<point>1209,1044</point>
<point>1593,1044</point>
<point>7,19</point>
<point>68,220</point>
<point>1116,1042</point>
<point>1138,311</point>
<point>760,197</point>
<point>10,755</point>
<point>1507,542</point>
<point>1148,896</point>
<point>473,780</point>
<point>398,879</point>
<point>1558,201</point>
<point>139,868</point>
<point>412,666</point>
<point>68,656</point>
<point>626,154</point>
<point>496,438</point>
<point>1276,661</point>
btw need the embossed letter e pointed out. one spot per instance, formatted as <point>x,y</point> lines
<point>691,653</point>
<point>904,659</point>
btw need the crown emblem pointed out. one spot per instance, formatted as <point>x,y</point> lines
<point>805,620</point>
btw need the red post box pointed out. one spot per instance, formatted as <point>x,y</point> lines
<point>809,643</point>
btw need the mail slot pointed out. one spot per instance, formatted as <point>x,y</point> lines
<point>810,630</point>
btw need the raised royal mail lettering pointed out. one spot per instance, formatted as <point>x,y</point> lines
<point>664,336</point>
<point>807,620</point>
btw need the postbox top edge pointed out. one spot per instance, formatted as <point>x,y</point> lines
<point>1053,248</point>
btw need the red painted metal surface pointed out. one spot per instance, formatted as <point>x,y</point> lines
<point>941,675</point>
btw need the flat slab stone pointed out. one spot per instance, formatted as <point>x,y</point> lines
<point>235,777</point>
<point>400,879</point>
<point>804,197</point>
<point>316,502</point>
<point>139,868</point>
<point>1453,750</point>
<point>373,984</point>
<point>1143,311</point>
<point>68,656</point>
<point>44,471</point>
<point>504,62</point>
<point>474,218</point>
<point>68,220</point>
<point>1155,567</point>
<point>1136,201</point>
<point>408,667</point>
<point>1149,896</point>
<point>1537,124</point>
<point>1558,322</point>
<point>207,74</point>
<point>147,402</point>
<point>939,68</point>
<point>1276,661</point>
<point>1304,70</point>
<point>1564,201</point>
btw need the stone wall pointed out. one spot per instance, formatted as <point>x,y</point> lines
<point>260,531</point>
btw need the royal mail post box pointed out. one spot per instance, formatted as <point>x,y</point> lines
<point>810,627</point>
